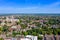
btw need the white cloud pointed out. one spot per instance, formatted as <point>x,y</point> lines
<point>55,4</point>
<point>35,9</point>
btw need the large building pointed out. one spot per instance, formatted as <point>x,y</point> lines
<point>28,37</point>
<point>32,37</point>
<point>25,39</point>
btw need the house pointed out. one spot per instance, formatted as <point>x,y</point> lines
<point>10,38</point>
<point>48,37</point>
<point>13,28</point>
<point>14,38</point>
<point>55,26</point>
<point>16,27</point>
<point>57,37</point>
<point>32,26</point>
<point>51,37</point>
<point>41,21</point>
<point>2,24</point>
<point>7,19</point>
<point>7,39</point>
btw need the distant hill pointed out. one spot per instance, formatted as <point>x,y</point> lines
<point>36,14</point>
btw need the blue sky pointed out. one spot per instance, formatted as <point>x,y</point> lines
<point>29,6</point>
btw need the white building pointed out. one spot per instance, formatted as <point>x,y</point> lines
<point>2,23</point>
<point>14,27</point>
<point>32,37</point>
<point>25,39</point>
<point>14,38</point>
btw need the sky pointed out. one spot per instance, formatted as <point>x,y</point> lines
<point>29,6</point>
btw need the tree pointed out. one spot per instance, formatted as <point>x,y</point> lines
<point>51,21</point>
<point>25,33</point>
<point>40,38</point>
<point>1,39</point>
<point>0,22</point>
<point>34,33</point>
<point>5,29</point>
<point>23,26</point>
<point>14,34</point>
<point>19,22</point>
<point>1,30</point>
<point>58,31</point>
